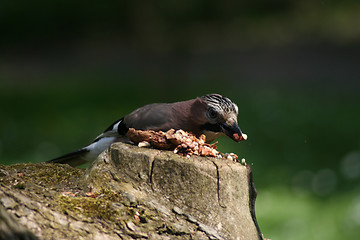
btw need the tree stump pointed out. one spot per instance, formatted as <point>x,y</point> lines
<point>129,192</point>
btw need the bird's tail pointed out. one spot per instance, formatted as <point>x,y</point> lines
<point>90,152</point>
<point>74,159</point>
<point>86,154</point>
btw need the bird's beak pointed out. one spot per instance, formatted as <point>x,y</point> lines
<point>233,131</point>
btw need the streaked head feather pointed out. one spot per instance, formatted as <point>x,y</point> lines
<point>220,103</point>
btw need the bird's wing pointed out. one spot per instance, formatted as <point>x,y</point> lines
<point>111,131</point>
<point>157,116</point>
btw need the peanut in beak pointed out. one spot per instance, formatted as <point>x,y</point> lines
<point>239,138</point>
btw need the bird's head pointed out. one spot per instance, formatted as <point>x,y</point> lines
<point>221,118</point>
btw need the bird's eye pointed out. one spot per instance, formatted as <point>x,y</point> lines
<point>212,113</point>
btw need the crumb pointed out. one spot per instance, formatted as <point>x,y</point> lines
<point>144,144</point>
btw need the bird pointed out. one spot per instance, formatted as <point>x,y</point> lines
<point>212,115</point>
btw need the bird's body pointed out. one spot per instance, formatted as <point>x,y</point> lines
<point>212,115</point>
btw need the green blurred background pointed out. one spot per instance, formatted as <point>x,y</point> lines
<point>68,69</point>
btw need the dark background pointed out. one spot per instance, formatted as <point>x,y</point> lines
<point>68,69</point>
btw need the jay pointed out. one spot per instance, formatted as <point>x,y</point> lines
<point>212,115</point>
